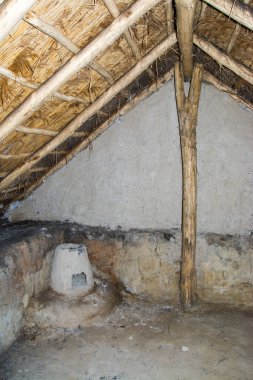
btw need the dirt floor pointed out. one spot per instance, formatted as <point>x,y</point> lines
<point>139,341</point>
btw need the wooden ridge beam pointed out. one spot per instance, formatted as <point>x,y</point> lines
<point>185,10</point>
<point>211,79</point>
<point>24,82</point>
<point>76,63</point>
<point>238,11</point>
<point>222,59</point>
<point>52,32</point>
<point>11,12</point>
<point>187,108</point>
<point>124,81</point>
<point>95,134</point>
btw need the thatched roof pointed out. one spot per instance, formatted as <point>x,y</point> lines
<point>97,59</point>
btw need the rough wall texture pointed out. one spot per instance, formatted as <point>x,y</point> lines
<point>131,176</point>
<point>25,264</point>
<point>145,263</point>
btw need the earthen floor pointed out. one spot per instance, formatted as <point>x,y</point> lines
<point>139,341</point>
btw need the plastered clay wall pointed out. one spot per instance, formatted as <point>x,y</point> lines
<point>25,264</point>
<point>131,176</point>
<point>145,263</point>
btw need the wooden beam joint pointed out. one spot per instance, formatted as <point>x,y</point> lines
<point>185,10</point>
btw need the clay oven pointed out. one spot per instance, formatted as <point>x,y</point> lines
<point>71,273</point>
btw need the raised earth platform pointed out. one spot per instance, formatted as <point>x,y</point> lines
<point>142,263</point>
<point>51,310</point>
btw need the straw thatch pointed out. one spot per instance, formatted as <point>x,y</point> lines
<point>30,55</point>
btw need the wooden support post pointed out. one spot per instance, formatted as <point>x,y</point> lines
<point>185,10</point>
<point>187,108</point>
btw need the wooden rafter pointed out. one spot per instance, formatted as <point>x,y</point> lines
<point>33,170</point>
<point>24,82</point>
<point>187,108</point>
<point>185,16</point>
<point>169,16</point>
<point>11,12</point>
<point>13,188</point>
<point>44,132</point>
<point>203,10</point>
<point>20,156</point>
<point>52,32</point>
<point>209,78</point>
<point>13,156</point>
<point>236,10</point>
<point>113,9</point>
<point>93,135</point>
<point>239,69</point>
<point>233,38</point>
<point>245,15</point>
<point>124,81</point>
<point>76,63</point>
<point>36,131</point>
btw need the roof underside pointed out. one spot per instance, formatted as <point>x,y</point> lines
<point>32,56</point>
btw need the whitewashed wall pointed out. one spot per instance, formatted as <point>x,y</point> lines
<point>132,175</point>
